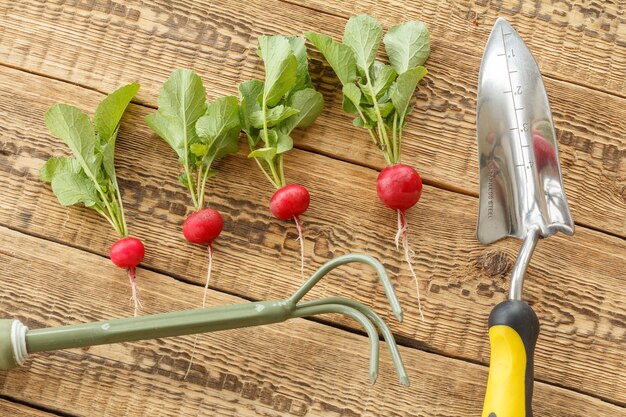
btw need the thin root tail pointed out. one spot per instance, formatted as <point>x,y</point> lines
<point>193,353</point>
<point>208,276</point>
<point>408,256</point>
<point>401,233</point>
<point>134,298</point>
<point>301,239</point>
<point>206,290</point>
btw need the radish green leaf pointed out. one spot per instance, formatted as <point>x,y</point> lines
<point>89,176</point>
<point>339,56</point>
<point>363,34</point>
<point>381,94</point>
<point>199,132</point>
<point>309,104</point>
<point>270,110</point>
<point>281,68</point>
<point>407,45</point>
<point>110,110</point>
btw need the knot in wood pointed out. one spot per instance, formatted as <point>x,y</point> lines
<point>495,264</point>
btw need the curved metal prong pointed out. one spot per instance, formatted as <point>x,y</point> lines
<point>378,321</point>
<point>313,310</point>
<point>342,260</point>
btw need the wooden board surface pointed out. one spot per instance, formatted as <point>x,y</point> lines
<point>144,43</point>
<point>296,368</point>
<point>459,287</point>
<point>71,51</point>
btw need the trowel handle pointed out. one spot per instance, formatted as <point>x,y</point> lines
<point>513,332</point>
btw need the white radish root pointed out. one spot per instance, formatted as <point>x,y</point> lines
<point>134,298</point>
<point>206,290</point>
<point>301,239</point>
<point>408,255</point>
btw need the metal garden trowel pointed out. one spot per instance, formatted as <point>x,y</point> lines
<point>521,195</point>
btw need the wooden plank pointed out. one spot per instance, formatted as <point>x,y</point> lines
<point>573,282</point>
<point>101,46</point>
<point>8,408</point>
<point>561,34</point>
<point>296,368</point>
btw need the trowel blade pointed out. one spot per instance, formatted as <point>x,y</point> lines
<point>521,185</point>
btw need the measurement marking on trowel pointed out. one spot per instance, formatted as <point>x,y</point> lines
<point>516,109</point>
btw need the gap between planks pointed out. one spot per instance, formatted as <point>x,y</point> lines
<point>38,407</point>
<point>400,340</point>
<point>432,183</point>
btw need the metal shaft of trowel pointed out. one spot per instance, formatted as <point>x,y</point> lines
<point>523,259</point>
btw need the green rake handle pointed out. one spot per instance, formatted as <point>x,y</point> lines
<point>16,341</point>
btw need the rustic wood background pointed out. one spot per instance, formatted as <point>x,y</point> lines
<point>55,268</point>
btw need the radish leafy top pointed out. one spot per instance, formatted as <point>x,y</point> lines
<point>379,94</point>
<point>270,110</point>
<point>89,177</point>
<point>199,132</point>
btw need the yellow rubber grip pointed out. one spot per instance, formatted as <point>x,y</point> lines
<point>506,385</point>
<point>513,332</point>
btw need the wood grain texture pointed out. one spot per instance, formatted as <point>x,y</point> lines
<point>102,45</point>
<point>583,42</point>
<point>297,368</point>
<point>574,283</point>
<point>11,409</point>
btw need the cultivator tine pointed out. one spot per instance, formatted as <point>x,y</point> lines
<point>345,259</point>
<point>378,322</point>
<point>314,310</point>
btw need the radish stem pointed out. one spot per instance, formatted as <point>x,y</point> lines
<point>202,185</point>
<point>281,170</point>
<point>123,218</point>
<point>198,184</point>
<point>265,173</point>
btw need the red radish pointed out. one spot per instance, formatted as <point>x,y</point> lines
<point>203,226</point>
<point>127,253</point>
<point>289,202</point>
<point>399,187</point>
